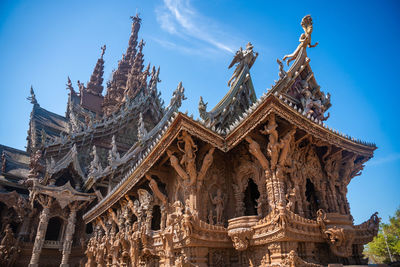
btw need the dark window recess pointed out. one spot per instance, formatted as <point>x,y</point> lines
<point>53,229</point>
<point>89,228</point>
<point>251,194</point>
<point>312,198</point>
<point>156,219</point>
<point>65,177</point>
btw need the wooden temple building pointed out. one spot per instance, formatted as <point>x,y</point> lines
<point>124,180</point>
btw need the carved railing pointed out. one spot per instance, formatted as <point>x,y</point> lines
<point>53,244</point>
<point>285,224</point>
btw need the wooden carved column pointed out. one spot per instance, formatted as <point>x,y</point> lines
<point>191,178</point>
<point>255,150</point>
<point>24,232</point>
<point>45,201</point>
<point>68,236</point>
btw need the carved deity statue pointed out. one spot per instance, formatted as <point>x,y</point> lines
<point>188,147</point>
<point>305,39</point>
<point>244,57</point>
<point>272,148</point>
<point>8,247</point>
<point>218,201</point>
<point>35,164</point>
<point>90,254</point>
<point>284,145</point>
<point>133,239</point>
<point>291,198</point>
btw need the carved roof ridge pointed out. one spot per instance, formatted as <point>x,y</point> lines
<point>233,90</point>
<point>227,108</point>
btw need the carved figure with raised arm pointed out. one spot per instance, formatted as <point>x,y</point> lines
<point>305,39</point>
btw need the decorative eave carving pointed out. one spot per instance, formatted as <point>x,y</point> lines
<point>269,104</point>
<point>64,195</point>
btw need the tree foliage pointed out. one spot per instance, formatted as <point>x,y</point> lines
<point>377,250</point>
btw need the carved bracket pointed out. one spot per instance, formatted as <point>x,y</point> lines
<point>241,237</point>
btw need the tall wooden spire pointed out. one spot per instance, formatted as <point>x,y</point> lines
<point>95,85</point>
<point>91,95</point>
<point>117,87</point>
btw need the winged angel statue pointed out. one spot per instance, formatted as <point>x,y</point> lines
<point>243,57</point>
<point>305,39</point>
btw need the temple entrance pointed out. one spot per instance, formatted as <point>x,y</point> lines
<point>251,194</point>
<point>54,229</point>
<point>156,218</point>
<point>311,196</point>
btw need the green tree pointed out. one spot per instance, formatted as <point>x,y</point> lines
<point>377,250</point>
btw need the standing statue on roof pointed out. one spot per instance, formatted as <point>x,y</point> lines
<point>305,39</point>
<point>243,57</point>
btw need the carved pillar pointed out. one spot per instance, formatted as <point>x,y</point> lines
<point>24,232</point>
<point>279,186</point>
<point>163,217</point>
<point>68,237</point>
<point>197,256</point>
<point>41,231</point>
<point>279,250</point>
<point>270,189</point>
<point>149,217</point>
<point>309,252</point>
<point>238,194</point>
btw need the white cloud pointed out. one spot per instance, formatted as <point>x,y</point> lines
<point>178,17</point>
<point>205,52</point>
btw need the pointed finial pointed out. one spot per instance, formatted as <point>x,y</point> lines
<point>69,86</point>
<point>202,108</point>
<point>32,97</point>
<point>103,50</point>
<point>141,129</point>
<point>141,45</point>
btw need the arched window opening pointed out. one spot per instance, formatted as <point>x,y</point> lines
<point>251,194</point>
<point>312,198</point>
<point>89,228</point>
<point>54,229</point>
<point>156,219</point>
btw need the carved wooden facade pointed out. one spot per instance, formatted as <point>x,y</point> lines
<point>255,182</point>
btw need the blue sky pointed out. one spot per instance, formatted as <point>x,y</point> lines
<point>42,42</point>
